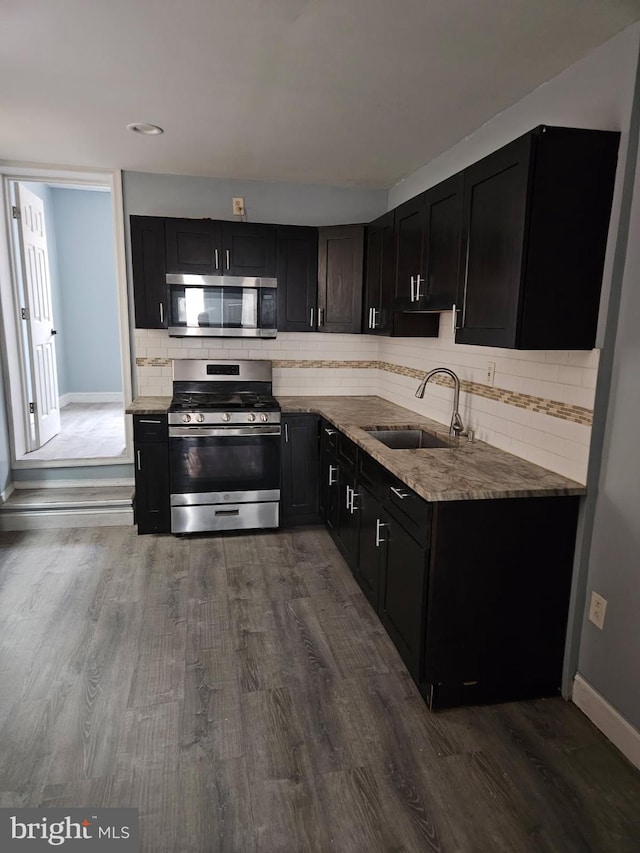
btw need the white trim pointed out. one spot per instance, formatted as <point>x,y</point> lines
<point>12,360</point>
<point>41,520</point>
<point>610,722</point>
<point>91,397</point>
<point>4,496</point>
<point>70,484</point>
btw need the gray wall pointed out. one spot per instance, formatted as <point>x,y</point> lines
<point>87,275</point>
<point>609,659</point>
<point>293,204</point>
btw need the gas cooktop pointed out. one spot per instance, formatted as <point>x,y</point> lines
<point>207,401</point>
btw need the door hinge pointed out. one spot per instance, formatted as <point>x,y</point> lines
<point>15,211</point>
<point>32,408</point>
<point>24,313</point>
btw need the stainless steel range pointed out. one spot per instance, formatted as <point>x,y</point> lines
<point>224,446</point>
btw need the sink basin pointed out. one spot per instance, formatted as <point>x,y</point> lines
<point>407,439</point>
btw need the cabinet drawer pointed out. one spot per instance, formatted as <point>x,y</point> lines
<point>347,452</point>
<point>408,508</point>
<point>150,428</point>
<point>370,474</point>
<point>329,436</point>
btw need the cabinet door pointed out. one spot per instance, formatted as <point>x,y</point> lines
<point>494,224</point>
<point>149,283</point>
<point>370,545</point>
<point>299,496</point>
<point>297,278</point>
<point>194,246</point>
<point>249,250</point>
<point>330,491</point>
<point>410,219</point>
<point>340,268</point>
<point>380,275</point>
<point>153,513</point>
<point>442,240</point>
<point>403,594</point>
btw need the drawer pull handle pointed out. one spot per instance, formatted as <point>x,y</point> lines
<point>145,421</point>
<point>379,526</point>
<point>330,431</point>
<point>333,469</point>
<point>399,494</point>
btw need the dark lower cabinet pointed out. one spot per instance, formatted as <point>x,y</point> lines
<point>299,488</point>
<point>152,498</point>
<point>371,546</point>
<point>403,593</point>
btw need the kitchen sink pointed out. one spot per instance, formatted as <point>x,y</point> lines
<point>407,439</point>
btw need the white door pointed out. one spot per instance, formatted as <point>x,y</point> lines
<point>39,316</point>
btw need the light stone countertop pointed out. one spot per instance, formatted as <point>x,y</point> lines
<point>465,471</point>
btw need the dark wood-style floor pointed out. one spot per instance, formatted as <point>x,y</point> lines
<point>240,691</point>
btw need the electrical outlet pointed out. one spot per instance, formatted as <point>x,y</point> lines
<point>491,372</point>
<point>597,610</point>
<point>238,207</point>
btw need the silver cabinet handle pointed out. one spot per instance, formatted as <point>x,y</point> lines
<point>161,312</point>
<point>412,285</point>
<point>228,260</point>
<point>371,311</point>
<point>333,469</point>
<point>379,526</point>
<point>348,499</point>
<point>453,320</point>
<point>321,316</point>
<point>286,432</point>
<point>217,259</point>
<point>354,495</point>
<point>311,318</point>
<point>330,431</point>
<point>418,280</point>
<point>399,494</point>
<point>146,421</point>
<point>139,459</point>
<point>374,322</point>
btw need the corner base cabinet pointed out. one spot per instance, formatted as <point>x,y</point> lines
<point>152,511</point>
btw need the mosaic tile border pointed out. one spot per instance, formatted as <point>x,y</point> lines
<point>554,408</point>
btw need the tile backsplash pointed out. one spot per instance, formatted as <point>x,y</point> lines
<point>539,406</point>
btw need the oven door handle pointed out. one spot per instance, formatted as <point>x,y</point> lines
<point>223,432</point>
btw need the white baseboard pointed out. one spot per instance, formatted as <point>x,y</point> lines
<point>4,496</point>
<point>72,484</point>
<point>91,397</point>
<point>116,517</point>
<point>610,722</point>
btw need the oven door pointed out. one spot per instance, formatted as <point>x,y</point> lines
<point>219,465</point>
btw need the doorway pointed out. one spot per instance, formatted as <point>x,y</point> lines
<point>70,334</point>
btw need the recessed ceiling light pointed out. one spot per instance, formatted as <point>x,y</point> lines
<point>145,129</point>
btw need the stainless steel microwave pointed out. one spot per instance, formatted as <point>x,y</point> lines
<point>221,306</point>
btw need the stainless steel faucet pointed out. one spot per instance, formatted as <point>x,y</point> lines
<point>456,427</point>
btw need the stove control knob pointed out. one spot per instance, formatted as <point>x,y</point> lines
<point>226,417</point>
<point>186,419</point>
<point>251,417</point>
<point>200,417</point>
<point>264,417</point>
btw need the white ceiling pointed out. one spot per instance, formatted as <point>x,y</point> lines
<point>346,92</point>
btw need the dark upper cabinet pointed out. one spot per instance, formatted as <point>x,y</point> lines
<point>410,220</point>
<point>380,275</point>
<point>340,284</point>
<point>149,285</point>
<point>299,497</point>
<point>249,250</point>
<point>213,247</point>
<point>535,222</point>
<point>428,234</point>
<point>297,278</point>
<point>441,245</point>
<point>194,246</point>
